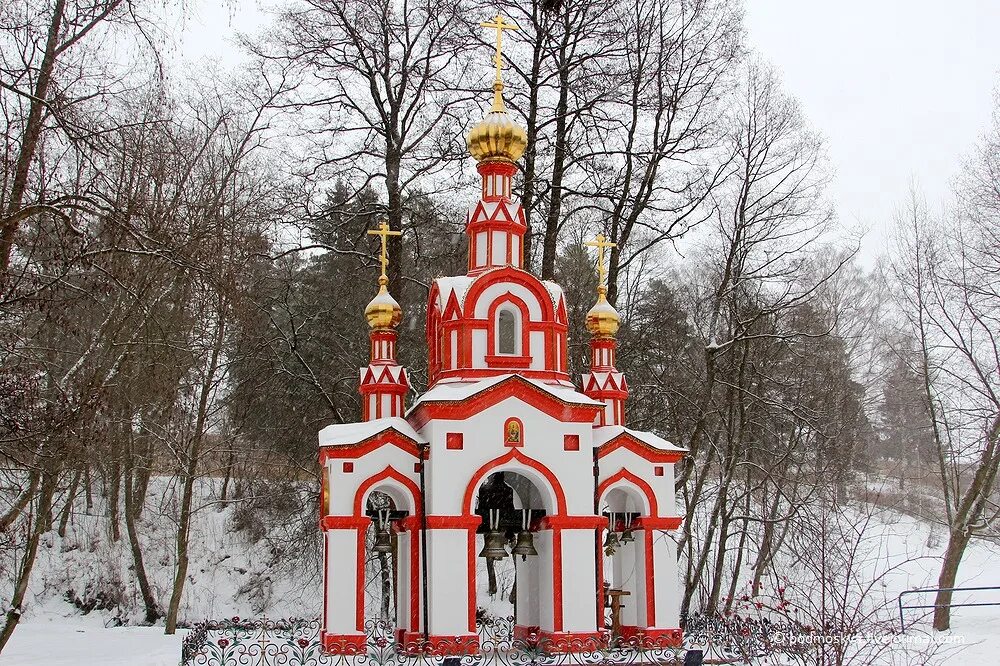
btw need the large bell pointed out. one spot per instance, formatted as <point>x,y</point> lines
<point>525,545</point>
<point>383,540</point>
<point>493,546</point>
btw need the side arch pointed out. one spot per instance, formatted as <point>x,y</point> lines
<point>623,477</point>
<point>395,484</point>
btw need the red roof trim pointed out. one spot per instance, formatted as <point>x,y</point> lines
<point>631,443</point>
<point>513,387</point>
<point>389,436</point>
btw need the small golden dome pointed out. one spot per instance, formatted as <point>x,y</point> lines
<point>497,136</point>
<point>383,311</point>
<point>603,319</point>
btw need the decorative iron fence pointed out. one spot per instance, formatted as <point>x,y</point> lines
<point>296,642</point>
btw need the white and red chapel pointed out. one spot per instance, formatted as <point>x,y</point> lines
<point>503,451</point>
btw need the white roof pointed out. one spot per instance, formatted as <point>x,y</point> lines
<point>459,284</point>
<point>605,434</point>
<point>340,434</point>
<point>445,391</point>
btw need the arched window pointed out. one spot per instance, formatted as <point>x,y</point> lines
<point>506,332</point>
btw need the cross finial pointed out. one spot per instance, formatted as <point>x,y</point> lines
<point>498,24</point>
<point>601,243</point>
<point>383,232</point>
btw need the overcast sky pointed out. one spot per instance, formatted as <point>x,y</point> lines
<point>900,89</point>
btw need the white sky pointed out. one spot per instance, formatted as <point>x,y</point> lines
<point>900,89</point>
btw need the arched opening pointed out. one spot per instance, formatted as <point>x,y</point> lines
<point>388,558</point>
<point>381,559</point>
<point>514,556</point>
<point>507,336</point>
<point>625,562</point>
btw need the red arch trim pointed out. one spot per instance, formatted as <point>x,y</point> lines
<point>515,276</point>
<point>524,326</point>
<point>388,473</point>
<point>515,454</point>
<point>625,475</point>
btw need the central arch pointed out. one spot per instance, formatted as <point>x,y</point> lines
<point>515,461</point>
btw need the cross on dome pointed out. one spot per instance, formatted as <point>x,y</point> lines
<point>383,232</point>
<point>601,243</point>
<point>602,319</point>
<point>383,312</point>
<point>499,24</point>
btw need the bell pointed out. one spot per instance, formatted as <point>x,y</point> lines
<point>383,541</point>
<point>627,536</point>
<point>493,546</point>
<point>525,545</point>
<point>611,542</point>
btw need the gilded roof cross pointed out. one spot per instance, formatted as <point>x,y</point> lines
<point>384,233</point>
<point>601,243</point>
<point>499,25</point>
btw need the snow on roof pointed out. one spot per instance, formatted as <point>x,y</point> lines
<point>555,292</point>
<point>456,391</point>
<point>605,434</point>
<point>459,284</point>
<point>340,434</point>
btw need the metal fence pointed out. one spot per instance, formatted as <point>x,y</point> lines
<point>296,642</point>
<point>935,590</point>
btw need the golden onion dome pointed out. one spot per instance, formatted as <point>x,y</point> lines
<point>497,137</point>
<point>603,319</point>
<point>383,311</point>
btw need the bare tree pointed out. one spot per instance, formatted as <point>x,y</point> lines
<point>945,277</point>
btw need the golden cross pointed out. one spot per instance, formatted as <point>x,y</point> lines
<point>600,243</point>
<point>384,233</point>
<point>499,25</point>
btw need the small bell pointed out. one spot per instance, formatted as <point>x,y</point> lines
<point>627,536</point>
<point>525,545</point>
<point>493,546</point>
<point>611,542</point>
<point>383,541</point>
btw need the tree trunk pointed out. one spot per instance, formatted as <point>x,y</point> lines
<point>48,482</point>
<point>87,489</point>
<point>554,217</point>
<point>194,450</point>
<point>22,501</point>
<point>957,542</point>
<point>68,507</point>
<point>386,596</point>
<point>132,510</point>
<point>29,138</point>
<point>114,480</point>
<point>183,532</point>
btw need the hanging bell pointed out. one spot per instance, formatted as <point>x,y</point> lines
<point>627,536</point>
<point>383,540</point>
<point>611,542</point>
<point>493,546</point>
<point>525,545</point>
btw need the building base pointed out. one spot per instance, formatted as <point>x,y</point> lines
<point>344,644</point>
<point>566,642</point>
<point>646,638</point>
<point>412,643</point>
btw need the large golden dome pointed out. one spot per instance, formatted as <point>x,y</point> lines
<point>602,319</point>
<point>497,137</point>
<point>383,311</point>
